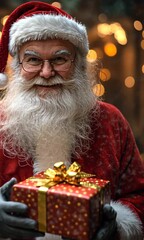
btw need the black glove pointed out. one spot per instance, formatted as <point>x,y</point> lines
<point>13,221</point>
<point>108,227</point>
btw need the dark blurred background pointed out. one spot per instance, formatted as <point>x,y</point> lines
<point>116,36</point>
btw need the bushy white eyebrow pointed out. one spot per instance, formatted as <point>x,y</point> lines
<point>62,52</point>
<point>30,52</point>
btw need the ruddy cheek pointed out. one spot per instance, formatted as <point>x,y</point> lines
<point>27,76</point>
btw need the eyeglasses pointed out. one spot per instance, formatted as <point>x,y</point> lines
<point>34,64</point>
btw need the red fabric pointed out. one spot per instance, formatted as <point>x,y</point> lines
<point>112,155</point>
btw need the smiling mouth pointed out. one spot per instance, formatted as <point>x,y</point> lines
<point>53,86</point>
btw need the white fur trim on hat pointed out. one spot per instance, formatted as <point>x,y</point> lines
<point>128,225</point>
<point>44,26</point>
<point>3,80</point>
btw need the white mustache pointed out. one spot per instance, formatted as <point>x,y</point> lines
<point>49,82</point>
<point>53,81</point>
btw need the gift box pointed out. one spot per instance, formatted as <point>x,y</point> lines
<point>64,202</point>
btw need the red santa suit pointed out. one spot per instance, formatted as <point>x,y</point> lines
<point>112,155</point>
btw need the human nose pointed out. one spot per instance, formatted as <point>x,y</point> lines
<point>47,70</point>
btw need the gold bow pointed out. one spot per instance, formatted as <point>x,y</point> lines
<point>60,174</point>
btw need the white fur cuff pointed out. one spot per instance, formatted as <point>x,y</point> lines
<point>128,225</point>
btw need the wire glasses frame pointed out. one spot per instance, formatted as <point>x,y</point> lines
<point>34,64</point>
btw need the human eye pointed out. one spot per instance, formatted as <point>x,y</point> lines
<point>59,60</point>
<point>33,60</point>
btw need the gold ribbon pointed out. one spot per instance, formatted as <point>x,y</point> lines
<point>60,174</point>
<point>53,177</point>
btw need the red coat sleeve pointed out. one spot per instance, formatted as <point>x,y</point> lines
<point>113,155</point>
<point>13,167</point>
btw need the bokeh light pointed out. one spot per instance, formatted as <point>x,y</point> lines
<point>56,4</point>
<point>138,25</point>
<point>110,49</point>
<point>91,56</point>
<point>4,19</point>
<point>129,82</point>
<point>105,74</point>
<point>142,44</point>
<point>98,90</point>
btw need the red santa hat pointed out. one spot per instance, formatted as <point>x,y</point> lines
<point>36,21</point>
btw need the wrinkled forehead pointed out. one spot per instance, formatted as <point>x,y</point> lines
<point>48,47</point>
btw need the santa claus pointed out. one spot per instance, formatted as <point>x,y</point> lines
<point>49,113</point>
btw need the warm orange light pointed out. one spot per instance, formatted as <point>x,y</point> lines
<point>129,82</point>
<point>3,20</point>
<point>110,49</point>
<point>99,90</point>
<point>103,29</point>
<point>91,56</point>
<point>115,26</point>
<point>142,44</point>
<point>138,25</point>
<point>105,74</point>
<point>120,36</point>
<point>56,4</point>
<point>142,68</point>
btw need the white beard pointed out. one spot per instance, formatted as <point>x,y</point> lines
<point>46,128</point>
<point>52,149</point>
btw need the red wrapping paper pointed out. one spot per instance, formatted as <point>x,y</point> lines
<point>64,209</point>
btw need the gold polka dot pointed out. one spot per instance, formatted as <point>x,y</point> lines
<point>78,204</point>
<point>56,206</point>
<point>84,233</point>
<point>53,226</point>
<point>69,202</point>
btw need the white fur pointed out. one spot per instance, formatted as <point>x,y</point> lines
<point>50,237</point>
<point>128,224</point>
<point>3,80</point>
<point>43,26</point>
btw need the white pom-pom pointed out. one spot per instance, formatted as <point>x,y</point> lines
<point>3,80</point>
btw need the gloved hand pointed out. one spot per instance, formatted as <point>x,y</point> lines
<point>108,227</point>
<point>13,220</point>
